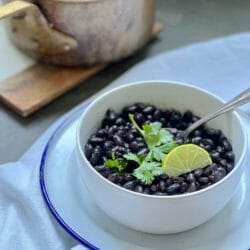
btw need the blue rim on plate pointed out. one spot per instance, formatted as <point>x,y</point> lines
<point>43,187</point>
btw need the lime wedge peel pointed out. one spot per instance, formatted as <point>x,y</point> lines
<point>185,158</point>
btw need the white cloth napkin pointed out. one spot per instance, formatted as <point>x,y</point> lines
<point>221,66</point>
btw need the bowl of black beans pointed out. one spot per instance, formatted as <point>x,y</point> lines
<point>135,163</point>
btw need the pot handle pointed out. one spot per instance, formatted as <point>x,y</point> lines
<point>36,33</point>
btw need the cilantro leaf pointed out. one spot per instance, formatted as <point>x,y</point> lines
<point>166,148</point>
<point>133,157</point>
<point>147,171</point>
<point>152,133</point>
<point>158,154</point>
<point>166,136</point>
<point>115,163</point>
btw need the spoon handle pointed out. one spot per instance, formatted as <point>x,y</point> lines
<point>237,101</point>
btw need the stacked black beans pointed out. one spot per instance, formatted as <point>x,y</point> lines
<point>117,135</point>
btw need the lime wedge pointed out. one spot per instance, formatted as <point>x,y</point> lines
<point>185,158</point>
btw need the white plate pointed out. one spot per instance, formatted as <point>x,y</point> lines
<point>75,210</point>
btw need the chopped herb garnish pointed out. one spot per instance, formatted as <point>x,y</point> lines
<point>160,142</point>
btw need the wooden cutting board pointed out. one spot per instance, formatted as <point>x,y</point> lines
<point>38,85</point>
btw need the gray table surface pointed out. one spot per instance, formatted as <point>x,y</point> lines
<point>185,22</point>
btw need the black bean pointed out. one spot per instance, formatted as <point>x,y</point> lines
<point>183,125</point>
<point>153,188</point>
<point>121,150</point>
<point>162,186</point>
<point>139,118</point>
<point>126,127</point>
<point>191,187</point>
<point>184,185</point>
<point>226,145</point>
<point>163,177</point>
<point>217,133</point>
<point>96,140</point>
<point>112,130</point>
<point>113,177</point>
<point>101,132</point>
<point>215,156</point>
<point>177,179</point>
<point>134,146</point>
<point>120,121</point>
<point>140,106</point>
<point>223,163</point>
<point>210,132</point>
<point>179,135</point>
<point>220,149</point>
<point>190,177</point>
<point>130,109</point>
<point>164,122</point>
<point>108,145</point>
<point>120,133</point>
<point>203,180</point>
<point>105,173</point>
<point>148,110</point>
<point>88,150</point>
<point>149,118</point>
<point>187,116</point>
<point>219,173</point>
<point>196,140</point>
<point>207,147</point>
<point>174,188</point>
<point>128,176</point>
<point>229,156</point>
<point>118,140</point>
<point>129,137</point>
<point>141,145</point>
<point>211,177</point>
<point>96,155</point>
<point>139,189</point>
<point>166,114</point>
<point>111,115</point>
<point>229,167</point>
<point>175,117</point>
<point>179,141</point>
<point>129,185</point>
<point>140,139</point>
<point>100,168</point>
<point>197,133</point>
<point>198,172</point>
<point>157,114</point>
<point>173,131</point>
<point>120,179</point>
<point>146,190</point>
<point>222,170</point>
<point>208,142</point>
<point>209,169</point>
<point>105,123</point>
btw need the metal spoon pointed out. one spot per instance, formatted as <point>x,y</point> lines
<point>237,101</point>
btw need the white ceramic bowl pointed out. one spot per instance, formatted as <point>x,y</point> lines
<point>160,214</point>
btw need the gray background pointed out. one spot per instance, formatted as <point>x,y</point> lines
<point>184,22</point>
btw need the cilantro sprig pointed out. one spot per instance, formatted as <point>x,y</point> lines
<point>115,163</point>
<point>159,141</point>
